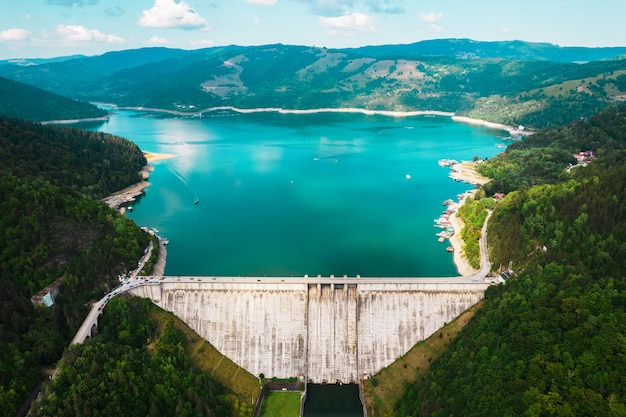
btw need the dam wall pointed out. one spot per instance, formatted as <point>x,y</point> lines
<point>394,317</point>
<point>333,333</point>
<point>262,328</point>
<point>325,332</point>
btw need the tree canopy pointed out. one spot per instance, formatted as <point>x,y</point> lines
<point>51,227</point>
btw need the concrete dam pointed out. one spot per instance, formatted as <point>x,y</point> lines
<point>319,329</point>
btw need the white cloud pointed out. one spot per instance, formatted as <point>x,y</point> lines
<point>201,43</point>
<point>256,21</point>
<point>437,28</point>
<point>155,40</point>
<point>347,24</point>
<point>505,30</point>
<point>431,17</point>
<point>329,7</point>
<point>340,7</point>
<point>14,34</point>
<point>76,33</point>
<point>262,2</point>
<point>172,14</point>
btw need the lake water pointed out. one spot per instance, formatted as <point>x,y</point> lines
<point>295,194</point>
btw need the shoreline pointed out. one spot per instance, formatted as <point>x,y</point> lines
<point>159,265</point>
<point>72,121</point>
<point>281,110</point>
<point>514,131</point>
<point>465,172</point>
<point>153,156</point>
<point>129,193</point>
<point>456,241</point>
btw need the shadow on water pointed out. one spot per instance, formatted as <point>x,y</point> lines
<point>330,400</point>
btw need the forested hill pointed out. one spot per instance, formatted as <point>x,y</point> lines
<point>32,103</point>
<point>552,340</point>
<point>513,83</point>
<point>93,163</point>
<point>543,157</point>
<point>51,227</point>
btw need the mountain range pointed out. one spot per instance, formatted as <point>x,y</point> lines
<point>515,82</point>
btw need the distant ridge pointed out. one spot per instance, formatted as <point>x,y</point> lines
<point>519,50</point>
<point>509,82</point>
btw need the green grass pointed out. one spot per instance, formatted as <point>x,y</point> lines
<point>281,404</point>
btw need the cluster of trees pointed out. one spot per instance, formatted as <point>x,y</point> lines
<point>93,163</point>
<point>32,103</point>
<point>136,366</point>
<point>542,157</point>
<point>521,169</point>
<point>48,230</point>
<point>552,341</point>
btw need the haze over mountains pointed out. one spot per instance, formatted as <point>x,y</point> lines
<point>513,82</point>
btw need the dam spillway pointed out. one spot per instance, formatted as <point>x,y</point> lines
<point>340,330</point>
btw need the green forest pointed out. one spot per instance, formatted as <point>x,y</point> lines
<point>52,227</point>
<point>552,340</point>
<point>92,163</point>
<point>137,366</point>
<point>37,105</point>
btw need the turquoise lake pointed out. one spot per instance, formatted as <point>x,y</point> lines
<point>294,194</point>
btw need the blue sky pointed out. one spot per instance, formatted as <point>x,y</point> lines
<point>51,28</point>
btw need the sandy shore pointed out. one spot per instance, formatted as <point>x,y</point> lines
<point>281,110</point>
<point>466,172</point>
<point>153,156</point>
<point>514,131</point>
<point>460,260</point>
<point>391,113</point>
<point>159,265</point>
<point>72,121</point>
<point>129,194</point>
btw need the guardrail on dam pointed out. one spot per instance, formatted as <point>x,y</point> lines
<point>322,329</point>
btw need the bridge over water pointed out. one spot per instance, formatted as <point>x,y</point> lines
<point>323,329</point>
